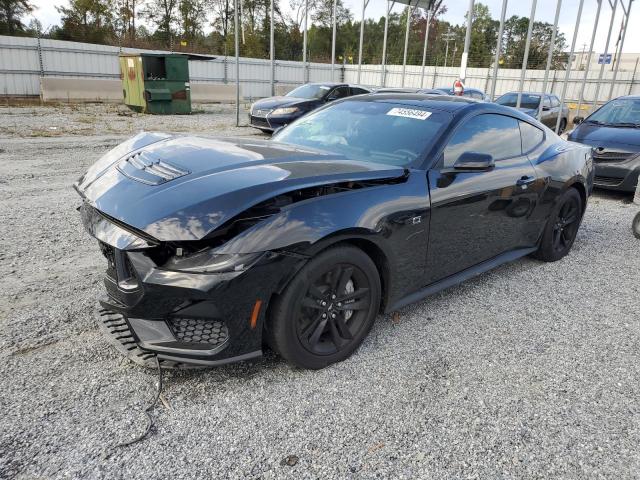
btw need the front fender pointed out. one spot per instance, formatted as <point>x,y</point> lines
<point>395,217</point>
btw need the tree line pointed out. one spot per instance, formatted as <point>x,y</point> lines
<point>207,26</point>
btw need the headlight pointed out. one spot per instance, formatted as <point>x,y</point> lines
<point>285,111</point>
<point>209,262</point>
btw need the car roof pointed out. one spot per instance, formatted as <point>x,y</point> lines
<point>397,90</point>
<point>627,97</point>
<point>445,103</point>
<point>337,84</point>
<point>455,105</point>
<point>466,89</point>
<point>531,93</point>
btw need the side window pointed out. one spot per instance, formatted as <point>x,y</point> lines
<point>496,135</point>
<point>554,101</point>
<point>358,91</point>
<point>531,136</point>
<point>339,92</point>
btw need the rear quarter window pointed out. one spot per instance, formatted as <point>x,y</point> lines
<point>531,136</point>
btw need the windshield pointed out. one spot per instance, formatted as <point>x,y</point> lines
<point>379,132</point>
<point>624,112</point>
<point>309,91</point>
<point>526,101</point>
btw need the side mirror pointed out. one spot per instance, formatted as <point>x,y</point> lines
<point>474,161</point>
<point>331,98</point>
<point>578,120</point>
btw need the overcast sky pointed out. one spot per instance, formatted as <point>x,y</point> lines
<point>545,11</point>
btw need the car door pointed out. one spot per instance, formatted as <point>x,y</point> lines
<point>548,114</point>
<point>479,214</point>
<point>555,108</point>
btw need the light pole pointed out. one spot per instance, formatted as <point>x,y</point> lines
<point>467,42</point>
<point>333,40</point>
<point>549,57</point>
<point>604,59</point>
<point>364,8</point>
<point>406,39</point>
<point>525,58</point>
<point>624,34</point>
<point>384,42</point>
<point>272,54</point>
<point>569,62</point>
<point>498,49</point>
<point>586,70</point>
<point>426,41</point>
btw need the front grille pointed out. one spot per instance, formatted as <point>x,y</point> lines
<point>199,330</point>
<point>116,328</point>
<point>119,269</point>
<point>109,253</point>
<point>611,156</point>
<point>260,112</point>
<point>259,122</point>
<point>607,181</point>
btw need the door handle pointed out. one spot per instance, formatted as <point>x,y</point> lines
<point>524,181</point>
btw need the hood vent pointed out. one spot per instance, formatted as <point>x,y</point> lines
<point>149,169</point>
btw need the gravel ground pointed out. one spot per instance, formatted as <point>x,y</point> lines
<point>529,371</point>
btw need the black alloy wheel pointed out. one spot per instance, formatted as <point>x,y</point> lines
<point>562,227</point>
<point>333,310</point>
<point>327,310</point>
<point>566,225</point>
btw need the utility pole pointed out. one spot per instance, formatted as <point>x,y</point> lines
<point>584,49</point>
<point>448,37</point>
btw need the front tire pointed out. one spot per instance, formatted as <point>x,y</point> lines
<point>327,310</point>
<point>562,227</point>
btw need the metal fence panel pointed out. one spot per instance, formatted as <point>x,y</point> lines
<point>20,72</point>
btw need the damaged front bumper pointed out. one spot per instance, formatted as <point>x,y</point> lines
<point>183,318</point>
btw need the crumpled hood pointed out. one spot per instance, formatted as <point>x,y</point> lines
<point>182,188</point>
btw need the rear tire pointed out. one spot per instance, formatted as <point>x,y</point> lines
<point>327,310</point>
<point>563,126</point>
<point>562,227</point>
<point>635,225</point>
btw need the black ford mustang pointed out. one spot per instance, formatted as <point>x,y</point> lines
<point>216,246</point>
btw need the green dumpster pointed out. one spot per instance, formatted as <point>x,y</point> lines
<point>156,83</point>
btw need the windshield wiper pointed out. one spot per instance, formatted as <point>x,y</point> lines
<point>626,124</point>
<point>595,122</point>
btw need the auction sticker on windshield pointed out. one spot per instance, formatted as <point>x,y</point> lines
<point>409,113</point>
